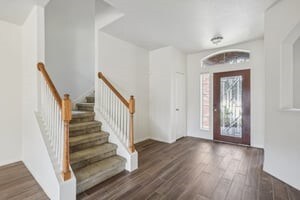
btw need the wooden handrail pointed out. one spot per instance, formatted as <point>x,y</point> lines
<point>66,113</point>
<point>41,68</point>
<point>113,89</point>
<point>130,104</point>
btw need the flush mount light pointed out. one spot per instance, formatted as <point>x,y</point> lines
<point>216,40</point>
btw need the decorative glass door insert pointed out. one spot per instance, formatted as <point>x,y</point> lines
<point>231,106</point>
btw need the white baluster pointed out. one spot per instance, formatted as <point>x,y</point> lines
<point>106,101</point>
<point>53,126</point>
<point>125,124</point>
<point>61,139</point>
<point>52,120</point>
<point>99,95</point>
<point>118,116</point>
<point>102,96</point>
<point>110,106</point>
<point>113,110</point>
<point>105,96</point>
<point>121,122</point>
<point>48,111</point>
<point>56,129</point>
<point>127,137</point>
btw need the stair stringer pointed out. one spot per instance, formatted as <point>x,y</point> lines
<point>60,190</point>
<point>122,150</point>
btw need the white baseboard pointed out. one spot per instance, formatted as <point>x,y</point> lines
<point>141,139</point>
<point>8,162</point>
<point>160,140</point>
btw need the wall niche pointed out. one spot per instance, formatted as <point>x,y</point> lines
<point>290,71</point>
<point>296,74</point>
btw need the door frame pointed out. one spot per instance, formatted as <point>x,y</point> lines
<point>246,108</point>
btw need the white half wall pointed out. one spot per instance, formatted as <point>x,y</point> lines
<point>164,64</point>
<point>34,151</point>
<point>35,154</point>
<point>70,45</point>
<point>256,65</point>
<point>127,67</point>
<point>11,92</point>
<point>282,145</point>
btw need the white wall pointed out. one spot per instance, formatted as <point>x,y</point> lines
<point>164,63</point>
<point>70,45</point>
<point>11,93</point>
<point>296,73</point>
<point>282,145</point>
<point>127,67</point>
<point>256,65</point>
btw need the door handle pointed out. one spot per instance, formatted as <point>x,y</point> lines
<point>215,108</point>
<point>177,109</point>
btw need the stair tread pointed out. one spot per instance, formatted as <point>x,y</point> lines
<point>97,168</point>
<point>84,124</point>
<point>79,114</point>
<point>86,104</point>
<point>91,152</point>
<point>90,99</point>
<point>75,140</point>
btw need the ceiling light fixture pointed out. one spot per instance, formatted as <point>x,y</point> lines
<point>216,40</point>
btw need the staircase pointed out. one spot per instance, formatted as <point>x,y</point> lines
<point>76,141</point>
<point>92,157</point>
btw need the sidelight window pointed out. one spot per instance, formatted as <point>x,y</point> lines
<point>204,95</point>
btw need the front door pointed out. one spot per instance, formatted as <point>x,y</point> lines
<point>232,106</point>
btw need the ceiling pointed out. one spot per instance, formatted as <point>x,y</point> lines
<point>188,24</point>
<point>105,14</point>
<point>16,11</point>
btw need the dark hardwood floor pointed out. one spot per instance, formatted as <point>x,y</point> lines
<point>193,169</point>
<point>16,183</point>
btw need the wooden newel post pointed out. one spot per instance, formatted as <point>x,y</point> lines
<point>67,116</point>
<point>131,131</point>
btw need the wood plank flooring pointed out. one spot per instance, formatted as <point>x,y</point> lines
<point>194,169</point>
<point>16,183</point>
